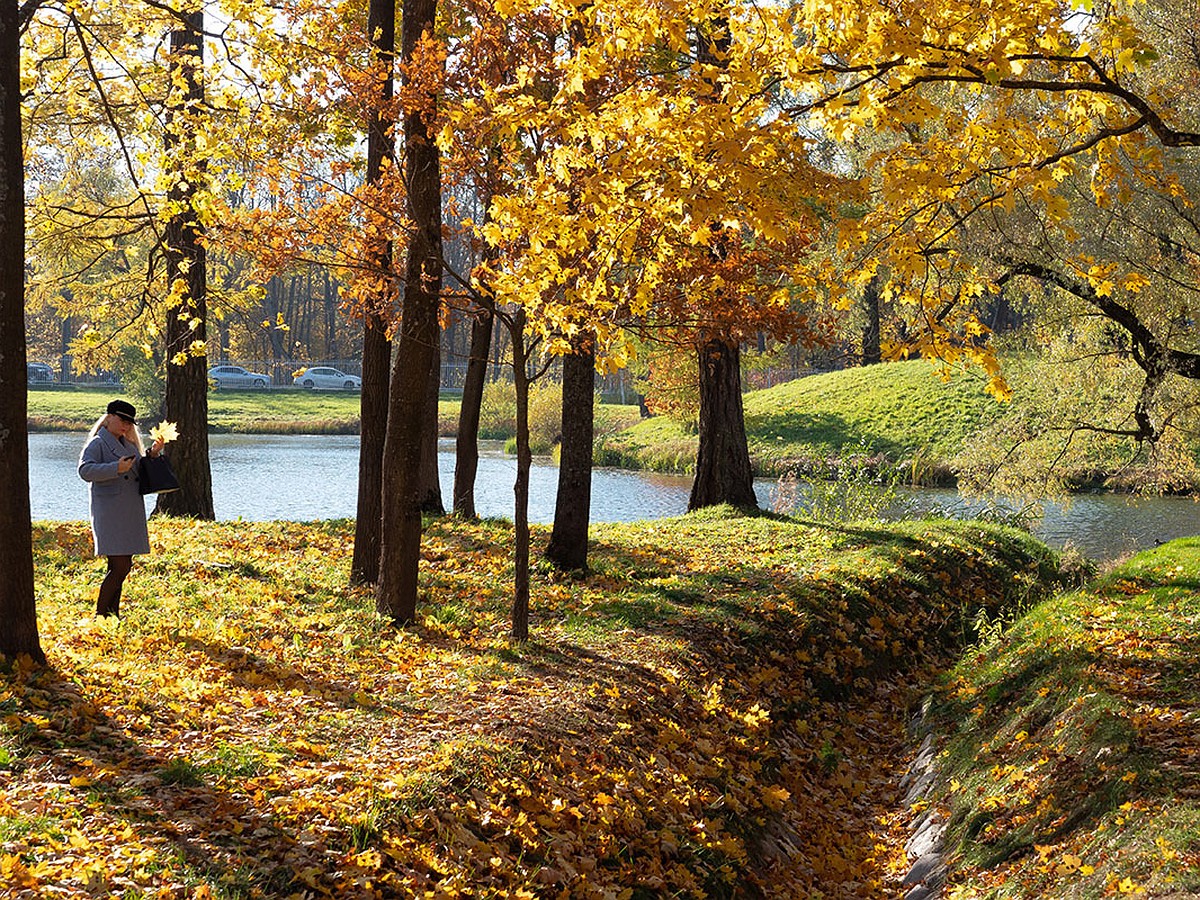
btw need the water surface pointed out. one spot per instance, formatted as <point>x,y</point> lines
<point>305,477</point>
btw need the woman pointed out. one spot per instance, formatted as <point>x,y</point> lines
<point>109,464</point>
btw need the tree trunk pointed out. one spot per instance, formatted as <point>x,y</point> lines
<point>18,611</point>
<point>466,460</point>
<point>572,507</point>
<point>723,470</point>
<point>401,536</point>
<point>330,293</point>
<point>373,405</point>
<point>377,348</point>
<point>431,486</point>
<point>66,362</point>
<point>871,350</point>
<point>520,604</point>
<point>186,399</point>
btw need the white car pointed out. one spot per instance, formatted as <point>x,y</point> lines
<point>236,377</point>
<point>328,379</point>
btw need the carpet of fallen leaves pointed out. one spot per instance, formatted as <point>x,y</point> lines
<point>1071,765</point>
<point>717,709</point>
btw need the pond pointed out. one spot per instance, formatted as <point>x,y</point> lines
<point>302,478</point>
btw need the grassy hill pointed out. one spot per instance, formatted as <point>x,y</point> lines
<point>898,413</point>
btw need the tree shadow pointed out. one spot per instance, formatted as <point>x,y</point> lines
<point>251,670</point>
<point>165,804</point>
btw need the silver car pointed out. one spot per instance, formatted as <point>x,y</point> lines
<point>236,377</point>
<point>328,379</point>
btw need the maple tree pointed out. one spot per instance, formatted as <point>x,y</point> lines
<point>568,543</point>
<point>486,50</point>
<point>995,111</point>
<point>644,174</point>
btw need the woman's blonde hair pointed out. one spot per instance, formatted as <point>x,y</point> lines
<point>137,435</point>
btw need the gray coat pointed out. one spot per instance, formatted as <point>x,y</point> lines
<point>118,511</point>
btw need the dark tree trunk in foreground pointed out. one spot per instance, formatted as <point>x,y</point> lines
<point>871,350</point>
<point>520,605</point>
<point>373,405</point>
<point>723,470</point>
<point>377,348</point>
<point>186,399</point>
<point>431,486</point>
<point>18,612</point>
<point>572,507</point>
<point>401,535</point>
<point>466,462</point>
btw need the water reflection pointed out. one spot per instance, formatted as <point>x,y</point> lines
<point>301,478</point>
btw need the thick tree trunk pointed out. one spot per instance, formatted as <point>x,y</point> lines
<point>431,486</point>
<point>520,604</point>
<point>186,399</point>
<point>401,537</point>
<point>572,508</point>
<point>871,350</point>
<point>466,460</point>
<point>723,470</point>
<point>377,347</point>
<point>18,611</point>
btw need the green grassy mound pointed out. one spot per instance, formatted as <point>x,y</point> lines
<point>897,414</point>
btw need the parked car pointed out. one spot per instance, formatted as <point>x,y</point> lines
<point>236,377</point>
<point>328,379</point>
<point>38,373</point>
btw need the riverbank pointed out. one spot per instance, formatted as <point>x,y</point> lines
<point>894,422</point>
<point>1067,742</point>
<point>719,707</point>
<point>229,412</point>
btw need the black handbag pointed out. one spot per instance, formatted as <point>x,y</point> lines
<point>155,475</point>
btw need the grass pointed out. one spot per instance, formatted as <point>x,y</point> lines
<point>901,413</point>
<point>718,707</point>
<point>1070,764</point>
<point>245,412</point>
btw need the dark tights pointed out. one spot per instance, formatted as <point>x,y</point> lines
<point>109,601</point>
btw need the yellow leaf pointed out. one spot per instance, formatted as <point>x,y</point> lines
<point>165,432</point>
<point>775,796</point>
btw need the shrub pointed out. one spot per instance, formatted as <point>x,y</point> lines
<point>545,416</point>
<point>498,415</point>
<point>498,411</point>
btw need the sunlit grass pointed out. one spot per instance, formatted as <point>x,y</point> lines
<point>903,412</point>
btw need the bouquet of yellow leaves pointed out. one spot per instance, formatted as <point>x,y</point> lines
<point>165,432</point>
